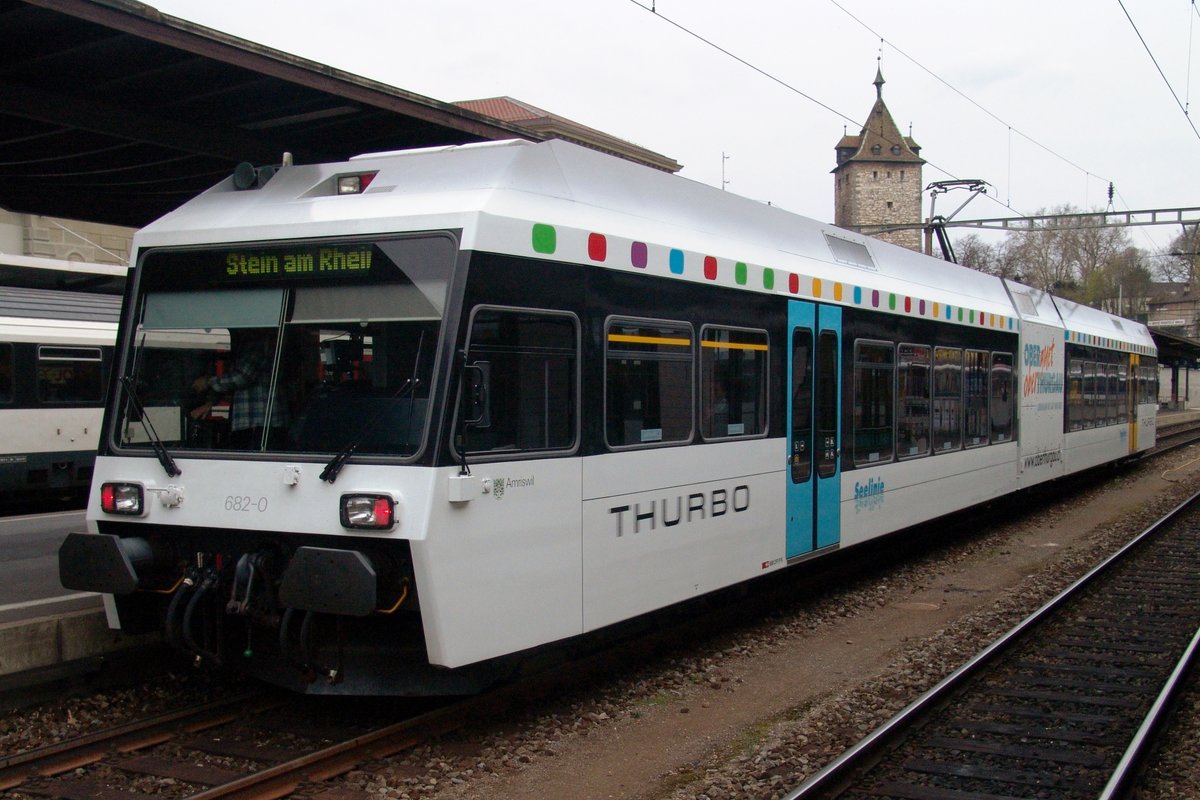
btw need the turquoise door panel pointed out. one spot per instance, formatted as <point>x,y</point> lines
<point>813,472</point>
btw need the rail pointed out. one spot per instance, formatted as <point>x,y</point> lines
<point>888,758</point>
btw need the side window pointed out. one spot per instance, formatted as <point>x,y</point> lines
<point>1149,393</point>
<point>530,360</point>
<point>733,382</point>
<point>1075,394</point>
<point>874,404</point>
<point>6,372</point>
<point>975,398</point>
<point>1115,398</point>
<point>68,374</point>
<point>1002,405</point>
<point>1123,394</point>
<point>913,378</point>
<point>647,382</point>
<point>947,399</point>
<point>1089,394</point>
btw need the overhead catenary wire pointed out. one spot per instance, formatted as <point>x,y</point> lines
<point>1004,203</point>
<point>1011,128</point>
<point>1162,74</point>
<point>708,42</point>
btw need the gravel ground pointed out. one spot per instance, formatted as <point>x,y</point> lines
<point>525,753</point>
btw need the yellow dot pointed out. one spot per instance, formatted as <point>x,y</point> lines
<point>837,291</point>
<point>816,287</point>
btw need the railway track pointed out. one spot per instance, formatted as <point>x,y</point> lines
<point>260,745</point>
<point>1064,705</point>
<point>1175,435</point>
<point>171,748</point>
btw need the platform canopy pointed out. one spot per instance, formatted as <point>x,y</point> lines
<point>113,112</point>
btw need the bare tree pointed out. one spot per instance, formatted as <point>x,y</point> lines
<point>1178,264</point>
<point>1091,265</point>
<point>972,251</point>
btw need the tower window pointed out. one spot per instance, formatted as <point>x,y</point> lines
<point>876,150</point>
<point>875,174</point>
<point>889,202</point>
<point>901,174</point>
<point>895,149</point>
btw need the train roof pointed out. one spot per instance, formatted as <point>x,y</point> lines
<point>554,200</point>
<point>56,317</point>
<point>48,304</point>
<point>39,272</point>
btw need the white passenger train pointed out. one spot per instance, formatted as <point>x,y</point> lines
<point>55,351</point>
<point>381,425</point>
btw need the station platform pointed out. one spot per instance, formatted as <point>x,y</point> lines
<point>44,646</point>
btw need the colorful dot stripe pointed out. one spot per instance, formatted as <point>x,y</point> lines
<point>1091,340</point>
<point>544,240</point>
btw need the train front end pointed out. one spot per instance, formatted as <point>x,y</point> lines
<point>268,456</point>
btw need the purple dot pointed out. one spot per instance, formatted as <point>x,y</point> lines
<point>638,255</point>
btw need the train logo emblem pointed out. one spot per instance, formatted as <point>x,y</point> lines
<point>498,488</point>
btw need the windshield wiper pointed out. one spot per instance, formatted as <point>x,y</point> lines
<point>330,473</point>
<point>160,449</point>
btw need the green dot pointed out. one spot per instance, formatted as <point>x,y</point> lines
<point>768,278</point>
<point>545,238</point>
<point>892,302</point>
<point>739,273</point>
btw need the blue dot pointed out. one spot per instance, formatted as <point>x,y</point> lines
<point>677,262</point>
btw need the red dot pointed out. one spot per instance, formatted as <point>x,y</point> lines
<point>710,268</point>
<point>597,247</point>
<point>794,283</point>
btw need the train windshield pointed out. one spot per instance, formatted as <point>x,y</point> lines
<point>299,348</point>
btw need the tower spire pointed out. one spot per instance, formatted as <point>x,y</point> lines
<point>879,81</point>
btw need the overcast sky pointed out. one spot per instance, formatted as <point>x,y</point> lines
<point>1046,100</point>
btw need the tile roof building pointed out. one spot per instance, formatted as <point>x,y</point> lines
<point>507,109</point>
<point>877,180</point>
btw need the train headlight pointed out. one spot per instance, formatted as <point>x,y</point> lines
<point>372,511</point>
<point>355,184</point>
<point>122,498</point>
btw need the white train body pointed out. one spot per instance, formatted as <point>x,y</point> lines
<point>55,348</point>
<point>664,389</point>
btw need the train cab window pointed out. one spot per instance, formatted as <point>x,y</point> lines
<point>913,389</point>
<point>6,373</point>
<point>733,382</point>
<point>530,363</point>
<point>947,399</point>
<point>69,374</point>
<point>874,388</point>
<point>1148,392</point>
<point>1075,395</point>
<point>1003,404</point>
<point>976,426</point>
<point>647,382</point>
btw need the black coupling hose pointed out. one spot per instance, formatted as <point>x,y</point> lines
<point>174,622</point>
<point>189,615</point>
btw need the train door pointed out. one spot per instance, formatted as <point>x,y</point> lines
<point>814,427</point>
<point>1131,399</point>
